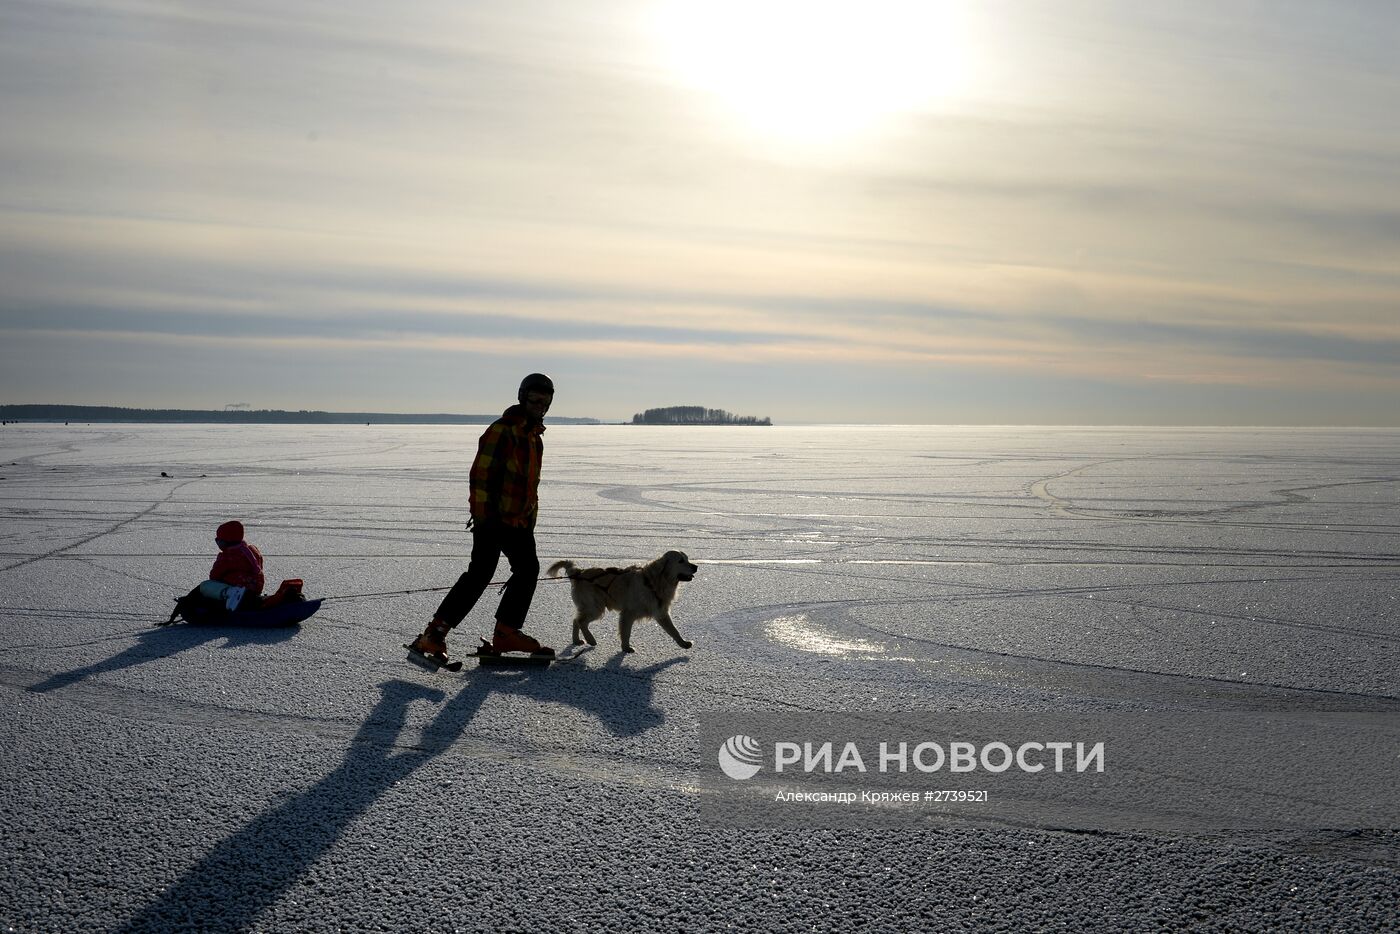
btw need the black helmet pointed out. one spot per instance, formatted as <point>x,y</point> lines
<point>535,382</point>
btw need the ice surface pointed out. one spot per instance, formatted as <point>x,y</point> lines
<point>310,779</point>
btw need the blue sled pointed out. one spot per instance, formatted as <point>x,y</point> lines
<point>206,613</point>
<point>286,607</point>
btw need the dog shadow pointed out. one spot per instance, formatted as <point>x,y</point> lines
<point>164,642</point>
<point>620,697</point>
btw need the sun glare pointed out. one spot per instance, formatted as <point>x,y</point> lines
<point>814,70</point>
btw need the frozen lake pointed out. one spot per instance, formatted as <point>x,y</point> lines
<point>310,779</point>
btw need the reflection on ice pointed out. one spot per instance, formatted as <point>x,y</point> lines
<point>797,632</point>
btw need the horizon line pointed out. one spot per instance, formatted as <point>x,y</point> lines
<point>587,421</point>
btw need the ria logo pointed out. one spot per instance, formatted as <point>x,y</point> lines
<point>740,757</point>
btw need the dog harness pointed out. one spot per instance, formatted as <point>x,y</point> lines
<point>603,578</point>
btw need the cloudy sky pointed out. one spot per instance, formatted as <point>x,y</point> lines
<point>1004,211</point>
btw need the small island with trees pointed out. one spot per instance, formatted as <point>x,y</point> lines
<point>694,415</point>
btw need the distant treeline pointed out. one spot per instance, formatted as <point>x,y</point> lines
<point>107,413</point>
<point>694,415</point>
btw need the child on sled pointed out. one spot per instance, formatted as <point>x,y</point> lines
<point>237,571</point>
<point>234,590</point>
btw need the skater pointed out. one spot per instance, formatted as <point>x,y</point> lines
<point>237,571</point>
<point>505,479</point>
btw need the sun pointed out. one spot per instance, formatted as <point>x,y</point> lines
<point>814,70</point>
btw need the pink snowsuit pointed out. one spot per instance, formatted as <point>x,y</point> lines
<point>239,565</point>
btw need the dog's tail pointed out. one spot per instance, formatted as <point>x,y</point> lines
<point>568,567</point>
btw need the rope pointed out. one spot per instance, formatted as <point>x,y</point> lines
<point>400,593</point>
<point>383,593</point>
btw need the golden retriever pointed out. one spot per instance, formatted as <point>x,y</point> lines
<point>641,591</point>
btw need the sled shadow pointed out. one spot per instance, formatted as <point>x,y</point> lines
<point>163,642</point>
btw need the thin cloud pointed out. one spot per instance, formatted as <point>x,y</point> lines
<point>1152,198</point>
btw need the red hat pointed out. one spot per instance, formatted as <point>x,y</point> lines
<point>230,531</point>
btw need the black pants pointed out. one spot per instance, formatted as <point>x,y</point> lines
<point>490,540</point>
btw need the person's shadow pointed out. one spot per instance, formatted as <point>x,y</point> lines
<point>164,641</point>
<point>248,871</point>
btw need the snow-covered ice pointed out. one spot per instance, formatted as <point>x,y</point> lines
<point>312,780</point>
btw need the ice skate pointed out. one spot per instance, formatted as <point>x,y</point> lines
<point>510,647</point>
<point>429,650</point>
<point>509,639</point>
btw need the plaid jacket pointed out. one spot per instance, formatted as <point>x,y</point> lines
<point>505,476</point>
